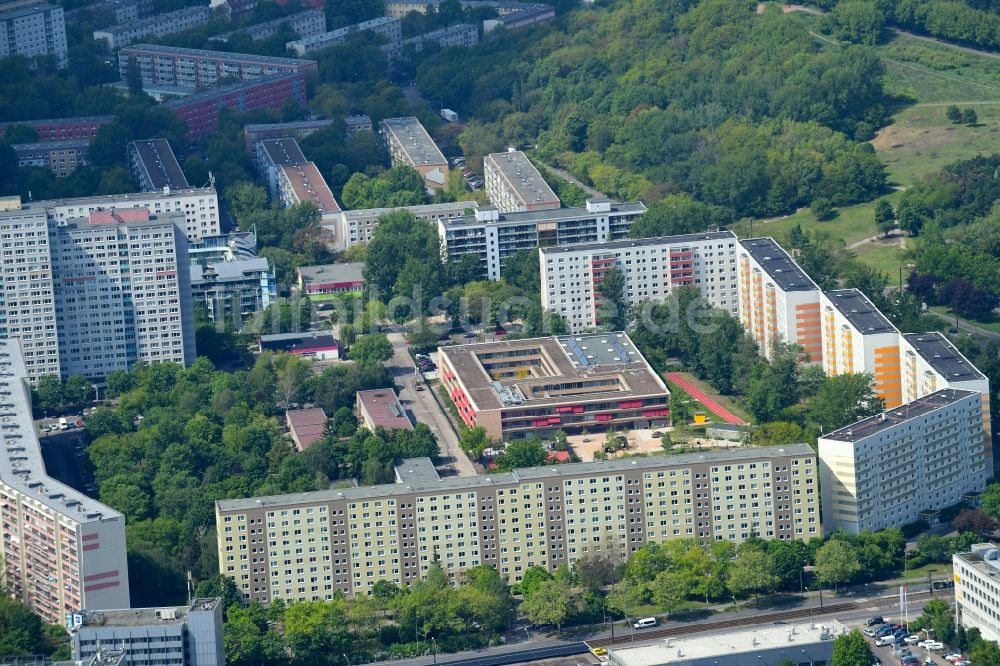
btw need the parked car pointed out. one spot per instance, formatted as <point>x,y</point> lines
<point>499,331</point>
<point>953,657</point>
<point>909,660</point>
<point>869,632</point>
<point>645,623</point>
<point>912,640</point>
<point>873,621</point>
<point>470,335</point>
<point>887,639</point>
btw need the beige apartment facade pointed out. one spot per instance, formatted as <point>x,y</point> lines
<point>309,546</point>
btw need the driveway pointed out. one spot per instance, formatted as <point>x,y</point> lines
<point>423,408</point>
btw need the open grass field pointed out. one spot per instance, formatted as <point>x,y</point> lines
<point>927,78</point>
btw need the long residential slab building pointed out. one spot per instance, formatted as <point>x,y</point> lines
<point>161,25</point>
<point>190,69</point>
<point>61,550</point>
<point>513,183</point>
<point>845,333</point>
<point>409,144</point>
<point>653,269</point>
<point>494,236</point>
<point>357,227</point>
<point>316,545</point>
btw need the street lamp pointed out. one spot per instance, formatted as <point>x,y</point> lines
<point>348,659</point>
<point>631,627</point>
<point>434,643</point>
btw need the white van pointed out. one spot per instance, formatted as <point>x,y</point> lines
<point>645,623</point>
<point>63,423</point>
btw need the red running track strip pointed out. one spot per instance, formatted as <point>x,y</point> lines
<point>700,396</point>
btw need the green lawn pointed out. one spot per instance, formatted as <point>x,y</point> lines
<point>933,73</point>
<point>922,140</point>
<point>935,570</point>
<point>883,255</point>
<point>990,325</point>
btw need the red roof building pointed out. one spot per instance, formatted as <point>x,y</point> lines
<point>380,408</point>
<point>306,426</point>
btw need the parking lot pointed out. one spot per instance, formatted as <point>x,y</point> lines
<point>916,648</point>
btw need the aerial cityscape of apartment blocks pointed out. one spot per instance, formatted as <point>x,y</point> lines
<point>653,268</point>
<point>513,184</point>
<point>460,34</point>
<point>885,470</point>
<point>410,145</point>
<point>188,635</point>
<point>34,32</point>
<point>844,332</point>
<point>778,301</point>
<point>61,550</point>
<point>534,387</point>
<point>154,166</point>
<point>200,111</point>
<point>199,205</point>
<point>59,129</point>
<point>390,28</point>
<point>315,545</point>
<point>124,11</point>
<point>295,130</point>
<point>977,594</point>
<point>200,69</point>
<point>160,25</point>
<point>303,24</point>
<point>60,157</point>
<point>355,227</point>
<point>493,236</point>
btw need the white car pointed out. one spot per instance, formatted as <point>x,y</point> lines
<point>924,643</point>
<point>885,640</point>
<point>953,657</point>
<point>911,640</point>
<point>934,645</point>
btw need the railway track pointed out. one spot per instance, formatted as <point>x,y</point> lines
<point>764,618</point>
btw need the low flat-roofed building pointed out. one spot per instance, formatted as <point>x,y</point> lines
<point>306,426</point>
<point>416,470</point>
<point>177,635</point>
<point>314,344</point>
<point>977,589</point>
<point>805,644</point>
<point>513,183</point>
<point>60,157</point>
<point>534,387</point>
<point>154,166</point>
<point>355,124</point>
<point>778,302</point>
<point>331,280</point>
<point>883,471</point>
<point>410,145</point>
<point>380,408</point>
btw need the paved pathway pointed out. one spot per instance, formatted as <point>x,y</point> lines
<point>424,408</point>
<point>700,396</point>
<point>565,176</point>
<point>966,326</point>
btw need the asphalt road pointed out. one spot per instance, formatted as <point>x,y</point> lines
<point>423,408</point>
<point>851,611</point>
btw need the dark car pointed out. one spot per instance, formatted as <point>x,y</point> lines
<point>874,620</point>
<point>470,335</point>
